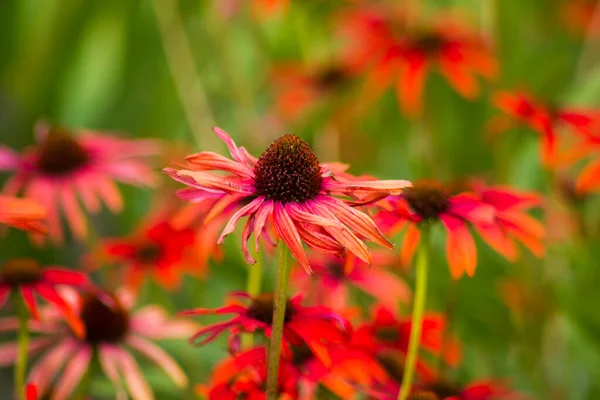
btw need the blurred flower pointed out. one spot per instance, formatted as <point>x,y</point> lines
<point>392,54</point>
<point>109,328</point>
<point>299,89</point>
<point>387,336</point>
<point>157,250</point>
<point>31,392</point>
<point>428,201</point>
<point>510,220</point>
<point>578,16</point>
<point>23,214</point>
<point>288,188</point>
<point>442,390</point>
<point>27,277</point>
<point>333,275</point>
<point>244,376</point>
<point>63,167</point>
<point>544,119</point>
<point>314,326</point>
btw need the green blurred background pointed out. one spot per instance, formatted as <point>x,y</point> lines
<point>172,69</point>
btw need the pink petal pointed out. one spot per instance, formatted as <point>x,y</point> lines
<point>136,384</point>
<point>74,371</point>
<point>8,351</point>
<point>75,217</point>
<point>110,365</point>
<point>242,212</point>
<point>287,231</point>
<point>161,358</point>
<point>382,285</point>
<point>46,368</point>
<point>109,193</point>
<point>9,159</point>
<point>154,323</point>
<point>261,216</point>
<point>213,161</point>
<point>88,197</point>
<point>235,152</point>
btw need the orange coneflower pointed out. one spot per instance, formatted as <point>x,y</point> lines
<point>286,188</point>
<point>110,330</point>
<point>392,54</point>
<point>64,168</point>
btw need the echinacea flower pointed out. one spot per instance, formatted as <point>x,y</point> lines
<point>511,222</point>
<point>391,54</point>
<point>288,188</point>
<point>110,330</point>
<point>543,118</point>
<point>300,89</point>
<point>63,169</point>
<point>244,376</point>
<point>314,326</point>
<point>333,275</point>
<point>28,278</point>
<point>157,250</point>
<point>24,214</point>
<point>428,201</point>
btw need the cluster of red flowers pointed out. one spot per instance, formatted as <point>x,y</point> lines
<point>319,211</point>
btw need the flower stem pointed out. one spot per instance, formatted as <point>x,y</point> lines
<point>417,316</point>
<point>253,289</point>
<point>22,344</point>
<point>283,275</point>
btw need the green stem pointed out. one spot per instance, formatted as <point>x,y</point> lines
<point>22,343</point>
<point>283,276</point>
<point>417,316</point>
<point>253,289</point>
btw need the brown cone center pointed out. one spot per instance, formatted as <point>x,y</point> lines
<point>148,253</point>
<point>20,271</point>
<point>104,323</point>
<point>393,363</point>
<point>288,171</point>
<point>60,154</point>
<point>262,309</point>
<point>331,78</point>
<point>443,389</point>
<point>428,199</point>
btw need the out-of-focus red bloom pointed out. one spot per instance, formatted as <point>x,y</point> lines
<point>300,89</point>
<point>544,119</point>
<point>31,392</point>
<point>429,201</point>
<point>329,284</point>
<point>387,335</point>
<point>27,277</point>
<point>289,189</point>
<point>511,223</point>
<point>244,376</point>
<point>314,326</point>
<point>158,250</point>
<point>111,330</point>
<point>442,390</point>
<point>24,214</point>
<point>578,16</point>
<point>64,168</point>
<point>382,46</point>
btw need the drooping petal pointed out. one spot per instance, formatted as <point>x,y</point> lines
<point>412,238</point>
<point>136,383</point>
<point>46,368</point>
<point>75,217</point>
<point>161,358</point>
<point>460,247</point>
<point>8,351</point>
<point>589,179</point>
<point>109,363</point>
<point>410,84</point>
<point>287,231</point>
<point>58,276</point>
<point>74,371</point>
<point>51,295</point>
<point>242,212</point>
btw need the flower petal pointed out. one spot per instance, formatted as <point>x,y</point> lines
<point>161,358</point>
<point>287,231</point>
<point>74,371</point>
<point>460,247</point>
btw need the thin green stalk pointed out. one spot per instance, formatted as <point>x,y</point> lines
<point>22,343</point>
<point>417,315</point>
<point>283,276</point>
<point>253,289</point>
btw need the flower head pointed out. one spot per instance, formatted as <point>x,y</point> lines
<point>63,167</point>
<point>429,201</point>
<point>25,214</point>
<point>28,278</point>
<point>314,326</point>
<point>110,330</point>
<point>159,250</point>
<point>288,188</point>
<point>382,45</point>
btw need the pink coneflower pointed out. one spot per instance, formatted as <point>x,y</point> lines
<point>63,167</point>
<point>333,277</point>
<point>288,188</point>
<point>27,277</point>
<point>110,329</point>
<point>314,326</point>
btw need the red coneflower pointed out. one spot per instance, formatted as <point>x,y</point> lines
<point>288,188</point>
<point>158,250</point>
<point>383,46</point>
<point>110,329</point>
<point>24,214</point>
<point>314,326</point>
<point>64,167</point>
<point>428,201</point>
<point>543,118</point>
<point>333,275</point>
<point>511,223</point>
<point>244,375</point>
<point>28,277</point>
